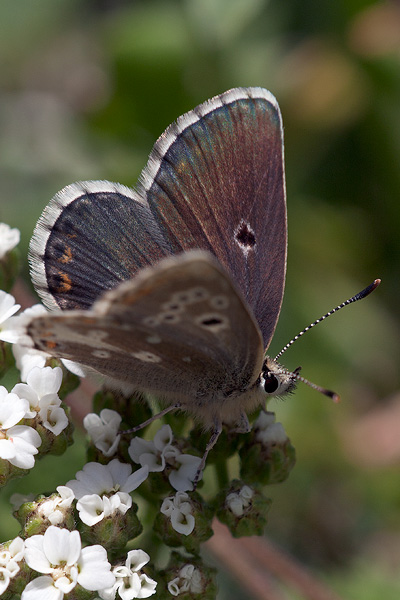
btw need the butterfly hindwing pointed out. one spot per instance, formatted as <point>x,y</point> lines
<point>171,328</point>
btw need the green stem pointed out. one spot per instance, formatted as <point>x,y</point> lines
<point>221,469</point>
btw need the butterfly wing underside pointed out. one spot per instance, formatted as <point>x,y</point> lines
<point>171,328</point>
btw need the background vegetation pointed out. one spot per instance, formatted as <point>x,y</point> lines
<point>86,86</point>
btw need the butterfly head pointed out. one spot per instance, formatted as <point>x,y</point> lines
<point>275,379</point>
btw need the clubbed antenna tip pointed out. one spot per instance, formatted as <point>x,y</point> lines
<point>335,397</point>
<point>367,291</point>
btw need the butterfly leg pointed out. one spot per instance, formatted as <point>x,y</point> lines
<point>211,443</point>
<point>153,418</point>
<point>243,426</point>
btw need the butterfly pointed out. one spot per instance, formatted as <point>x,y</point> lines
<point>175,287</point>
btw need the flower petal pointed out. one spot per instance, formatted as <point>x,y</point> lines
<point>42,588</point>
<point>94,569</point>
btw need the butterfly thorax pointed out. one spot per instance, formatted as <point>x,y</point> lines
<point>228,407</point>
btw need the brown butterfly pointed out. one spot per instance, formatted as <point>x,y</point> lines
<point>175,288</point>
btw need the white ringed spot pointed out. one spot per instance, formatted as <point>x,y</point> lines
<point>145,356</point>
<point>169,317</point>
<point>220,301</point>
<point>172,306</point>
<point>101,354</point>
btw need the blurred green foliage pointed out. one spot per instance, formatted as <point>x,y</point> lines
<point>85,89</point>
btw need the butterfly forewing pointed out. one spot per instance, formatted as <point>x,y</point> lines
<point>215,181</point>
<point>92,236</point>
<point>180,328</point>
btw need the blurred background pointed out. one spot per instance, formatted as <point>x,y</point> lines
<point>86,87</point>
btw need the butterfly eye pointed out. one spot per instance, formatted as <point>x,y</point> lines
<point>271,382</point>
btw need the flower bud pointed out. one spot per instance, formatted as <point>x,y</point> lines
<point>134,409</point>
<point>113,532</point>
<point>184,520</point>
<point>267,456</point>
<point>15,573</point>
<point>187,579</point>
<point>243,509</point>
<point>37,515</point>
<point>51,443</point>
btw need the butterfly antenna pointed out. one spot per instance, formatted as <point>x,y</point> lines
<point>295,375</point>
<point>363,294</point>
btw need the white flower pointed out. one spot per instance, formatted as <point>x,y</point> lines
<point>189,580</point>
<point>25,357</point>
<point>238,501</point>
<point>182,478</point>
<point>151,453</point>
<point>9,559</point>
<point>129,582</point>
<point>179,510</point>
<point>160,452</point>
<point>267,431</point>
<point>41,388</point>
<point>7,309</point>
<point>103,479</point>
<point>5,577</point>
<point>93,509</point>
<point>9,238</point>
<point>59,554</point>
<point>14,328</point>
<point>18,443</point>
<point>12,408</point>
<point>54,419</point>
<point>103,490</point>
<point>103,430</point>
<point>41,391</point>
<point>55,507</point>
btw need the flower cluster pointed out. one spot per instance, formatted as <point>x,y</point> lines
<point>156,455</point>
<point>130,581</point>
<point>180,511</point>
<point>59,555</point>
<point>74,541</point>
<point>103,490</point>
<point>35,402</point>
<point>160,453</point>
<point>11,555</point>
